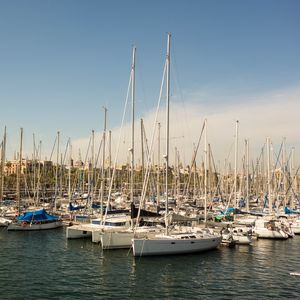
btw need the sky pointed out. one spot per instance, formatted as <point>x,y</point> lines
<point>62,61</point>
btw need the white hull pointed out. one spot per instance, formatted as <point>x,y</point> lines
<point>121,239</point>
<point>167,245</point>
<point>238,239</point>
<point>29,227</point>
<point>116,240</point>
<point>111,236</point>
<point>270,234</point>
<point>80,231</point>
<point>4,222</point>
<point>269,229</point>
<point>242,239</point>
<point>94,229</point>
<point>295,229</point>
<point>295,226</point>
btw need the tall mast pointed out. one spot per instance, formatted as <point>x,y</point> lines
<point>19,172</point>
<point>269,174</point>
<point>235,163</point>
<point>69,171</point>
<point>247,176</point>
<point>142,148</point>
<point>109,155</point>
<point>103,163</point>
<point>284,173</point>
<point>3,164</point>
<point>34,160</point>
<point>205,172</point>
<point>93,168</point>
<point>56,172</point>
<point>132,122</point>
<point>39,174</point>
<point>158,165</point>
<point>167,128</point>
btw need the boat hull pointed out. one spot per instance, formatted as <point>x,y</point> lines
<point>265,233</point>
<point>79,231</point>
<point>4,222</point>
<point>30,227</point>
<point>122,239</point>
<point>242,239</point>
<point>166,246</point>
<point>295,228</point>
<point>116,240</point>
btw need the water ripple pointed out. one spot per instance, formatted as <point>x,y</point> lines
<point>45,265</point>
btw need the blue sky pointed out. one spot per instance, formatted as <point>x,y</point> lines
<point>62,60</point>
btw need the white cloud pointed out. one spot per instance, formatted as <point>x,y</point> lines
<point>274,115</point>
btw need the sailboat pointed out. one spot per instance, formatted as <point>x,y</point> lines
<point>181,240</point>
<point>33,220</point>
<point>269,229</point>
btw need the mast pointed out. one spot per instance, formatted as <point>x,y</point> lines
<point>3,164</point>
<point>132,123</point>
<point>56,172</point>
<point>142,146</point>
<point>269,175</point>
<point>235,163</point>
<point>19,172</point>
<point>109,155</point>
<point>205,172</point>
<point>39,174</point>
<point>167,128</point>
<point>158,165</point>
<point>293,178</point>
<point>284,174</point>
<point>103,163</point>
<point>61,176</point>
<point>247,172</point>
<point>69,171</point>
<point>92,169</point>
<point>34,160</point>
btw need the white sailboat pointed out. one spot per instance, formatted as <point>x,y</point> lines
<point>176,241</point>
<point>240,235</point>
<point>96,228</point>
<point>268,229</point>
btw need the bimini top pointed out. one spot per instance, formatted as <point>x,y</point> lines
<point>38,215</point>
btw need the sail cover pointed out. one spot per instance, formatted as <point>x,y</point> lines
<point>38,215</point>
<point>291,211</point>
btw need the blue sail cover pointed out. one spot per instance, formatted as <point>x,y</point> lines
<point>290,211</point>
<point>38,215</point>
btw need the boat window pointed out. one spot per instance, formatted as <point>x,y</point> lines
<point>96,222</point>
<point>115,223</point>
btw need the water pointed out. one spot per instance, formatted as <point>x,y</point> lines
<point>45,265</point>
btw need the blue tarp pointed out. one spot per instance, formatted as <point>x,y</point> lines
<point>290,211</point>
<point>38,215</point>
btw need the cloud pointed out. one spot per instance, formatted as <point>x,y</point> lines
<point>274,115</point>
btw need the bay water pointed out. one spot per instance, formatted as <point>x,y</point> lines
<point>45,265</point>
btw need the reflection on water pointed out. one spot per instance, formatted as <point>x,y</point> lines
<point>47,266</point>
